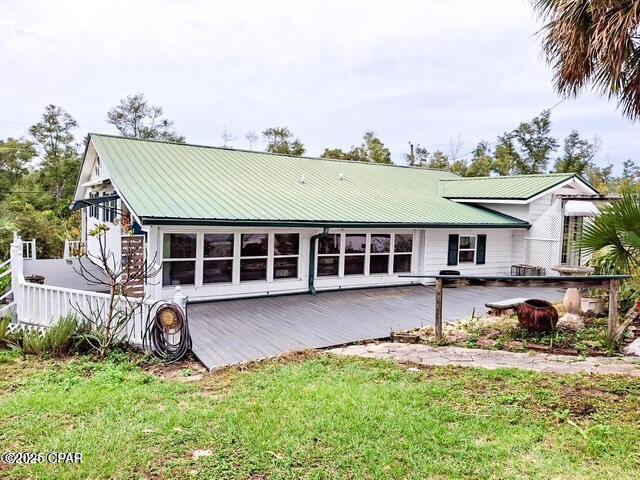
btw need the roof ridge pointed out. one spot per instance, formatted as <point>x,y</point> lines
<point>496,177</point>
<point>244,150</point>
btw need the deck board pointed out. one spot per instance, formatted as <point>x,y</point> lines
<point>234,331</point>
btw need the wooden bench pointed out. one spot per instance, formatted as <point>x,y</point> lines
<point>504,307</point>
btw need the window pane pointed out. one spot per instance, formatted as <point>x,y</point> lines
<point>355,243</point>
<point>402,263</point>
<point>379,264</point>
<point>404,242</point>
<point>217,271</point>
<point>218,245</point>
<point>178,273</point>
<point>329,244</point>
<point>328,266</point>
<point>285,268</point>
<point>380,243</point>
<point>254,244</point>
<point>287,244</point>
<point>254,269</point>
<point>354,265</point>
<point>467,242</point>
<point>179,245</point>
<point>467,256</point>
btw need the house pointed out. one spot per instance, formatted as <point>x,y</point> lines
<point>226,223</point>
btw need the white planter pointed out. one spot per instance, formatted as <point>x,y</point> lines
<point>593,305</point>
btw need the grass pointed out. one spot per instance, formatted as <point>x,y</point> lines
<point>317,417</point>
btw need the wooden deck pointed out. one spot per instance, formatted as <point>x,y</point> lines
<point>234,331</point>
<point>60,273</point>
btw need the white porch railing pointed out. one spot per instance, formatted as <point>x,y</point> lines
<point>5,309</point>
<point>43,305</point>
<point>74,249</point>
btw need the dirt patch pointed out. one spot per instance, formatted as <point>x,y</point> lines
<point>181,370</point>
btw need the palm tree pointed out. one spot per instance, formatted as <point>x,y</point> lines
<point>613,238</point>
<point>594,42</point>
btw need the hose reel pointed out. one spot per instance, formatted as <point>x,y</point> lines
<point>167,336</point>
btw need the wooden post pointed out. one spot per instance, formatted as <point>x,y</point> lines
<point>614,286</point>
<point>439,283</point>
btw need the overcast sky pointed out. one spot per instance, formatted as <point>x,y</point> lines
<point>420,71</point>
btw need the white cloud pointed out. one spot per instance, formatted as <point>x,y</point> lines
<point>411,70</point>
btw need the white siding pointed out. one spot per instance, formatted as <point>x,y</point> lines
<point>517,210</point>
<point>429,257</point>
<point>498,256</point>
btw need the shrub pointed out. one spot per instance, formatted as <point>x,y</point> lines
<point>65,338</point>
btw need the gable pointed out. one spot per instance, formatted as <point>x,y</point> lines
<point>513,189</point>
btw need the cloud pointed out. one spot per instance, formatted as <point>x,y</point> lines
<point>412,70</point>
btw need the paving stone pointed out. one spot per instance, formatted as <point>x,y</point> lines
<point>492,359</point>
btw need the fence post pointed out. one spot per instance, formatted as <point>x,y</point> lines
<point>438,324</point>
<point>17,271</point>
<point>178,298</point>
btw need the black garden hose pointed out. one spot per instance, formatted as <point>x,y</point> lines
<point>167,336</point>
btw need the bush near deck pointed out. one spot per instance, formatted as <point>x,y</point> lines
<point>317,417</point>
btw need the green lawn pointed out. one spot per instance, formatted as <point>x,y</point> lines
<point>318,417</point>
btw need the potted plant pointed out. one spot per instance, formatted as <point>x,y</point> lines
<point>593,302</point>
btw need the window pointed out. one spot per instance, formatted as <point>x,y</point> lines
<point>108,209</point>
<point>467,249</point>
<point>254,249</point>
<point>355,248</point>
<point>380,247</point>
<point>93,209</point>
<point>217,264</point>
<point>329,255</point>
<point>402,251</point>
<point>179,259</point>
<point>572,231</point>
<point>285,255</point>
<point>96,170</point>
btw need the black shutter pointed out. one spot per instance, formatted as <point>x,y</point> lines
<point>453,249</point>
<point>481,252</point>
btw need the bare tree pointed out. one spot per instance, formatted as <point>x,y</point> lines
<point>455,145</point>
<point>227,137</point>
<point>252,137</point>
<point>122,277</point>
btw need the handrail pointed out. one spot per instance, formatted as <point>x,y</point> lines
<point>6,294</point>
<point>5,263</point>
<point>76,291</point>
<point>5,273</point>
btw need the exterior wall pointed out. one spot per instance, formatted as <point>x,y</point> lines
<point>113,237</point>
<point>498,255</point>
<point>429,256</point>
<point>517,210</point>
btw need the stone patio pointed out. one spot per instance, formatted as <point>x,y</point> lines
<point>492,359</point>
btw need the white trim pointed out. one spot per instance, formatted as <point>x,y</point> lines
<point>528,200</point>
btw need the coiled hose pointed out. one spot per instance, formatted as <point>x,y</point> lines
<point>167,336</point>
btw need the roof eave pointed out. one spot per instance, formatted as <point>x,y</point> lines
<point>320,223</point>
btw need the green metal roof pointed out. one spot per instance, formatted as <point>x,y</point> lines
<point>169,183</point>
<point>519,187</point>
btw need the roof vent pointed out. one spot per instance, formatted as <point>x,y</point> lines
<point>301,179</point>
<point>341,176</point>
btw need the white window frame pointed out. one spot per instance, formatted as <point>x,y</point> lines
<point>268,257</point>
<point>197,260</point>
<point>393,253</point>
<point>389,254</point>
<point>474,249</point>
<point>233,257</point>
<point>272,251</point>
<point>367,254</point>
<point>340,256</point>
<point>109,213</point>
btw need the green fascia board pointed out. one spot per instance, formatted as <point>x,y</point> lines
<point>193,184</point>
<point>320,224</point>
<point>518,187</point>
